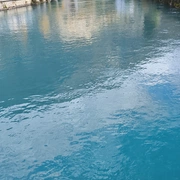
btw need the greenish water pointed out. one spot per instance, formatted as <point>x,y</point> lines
<point>90,90</point>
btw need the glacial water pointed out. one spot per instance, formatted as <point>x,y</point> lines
<point>90,90</point>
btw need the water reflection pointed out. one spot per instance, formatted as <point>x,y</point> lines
<point>82,20</point>
<point>119,35</point>
<point>89,90</point>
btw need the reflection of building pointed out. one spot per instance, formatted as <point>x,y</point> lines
<point>45,25</point>
<point>79,20</point>
<point>82,19</point>
<point>17,20</point>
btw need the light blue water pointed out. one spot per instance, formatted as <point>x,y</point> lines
<point>90,90</point>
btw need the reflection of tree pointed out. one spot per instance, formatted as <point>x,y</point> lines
<point>151,18</point>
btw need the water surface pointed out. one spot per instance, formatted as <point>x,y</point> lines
<point>90,90</point>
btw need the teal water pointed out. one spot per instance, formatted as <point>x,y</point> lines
<point>90,90</point>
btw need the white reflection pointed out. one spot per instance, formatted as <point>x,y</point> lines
<point>16,19</point>
<point>50,130</point>
<point>120,6</point>
<point>166,66</point>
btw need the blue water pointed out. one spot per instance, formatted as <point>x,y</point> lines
<point>90,90</point>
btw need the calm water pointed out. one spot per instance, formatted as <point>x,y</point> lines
<point>90,90</point>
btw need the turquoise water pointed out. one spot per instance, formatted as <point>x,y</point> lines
<point>90,90</point>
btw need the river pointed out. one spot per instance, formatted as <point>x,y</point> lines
<point>90,90</point>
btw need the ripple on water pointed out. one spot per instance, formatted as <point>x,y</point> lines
<point>90,90</point>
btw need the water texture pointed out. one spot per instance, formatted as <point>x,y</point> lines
<point>90,90</point>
